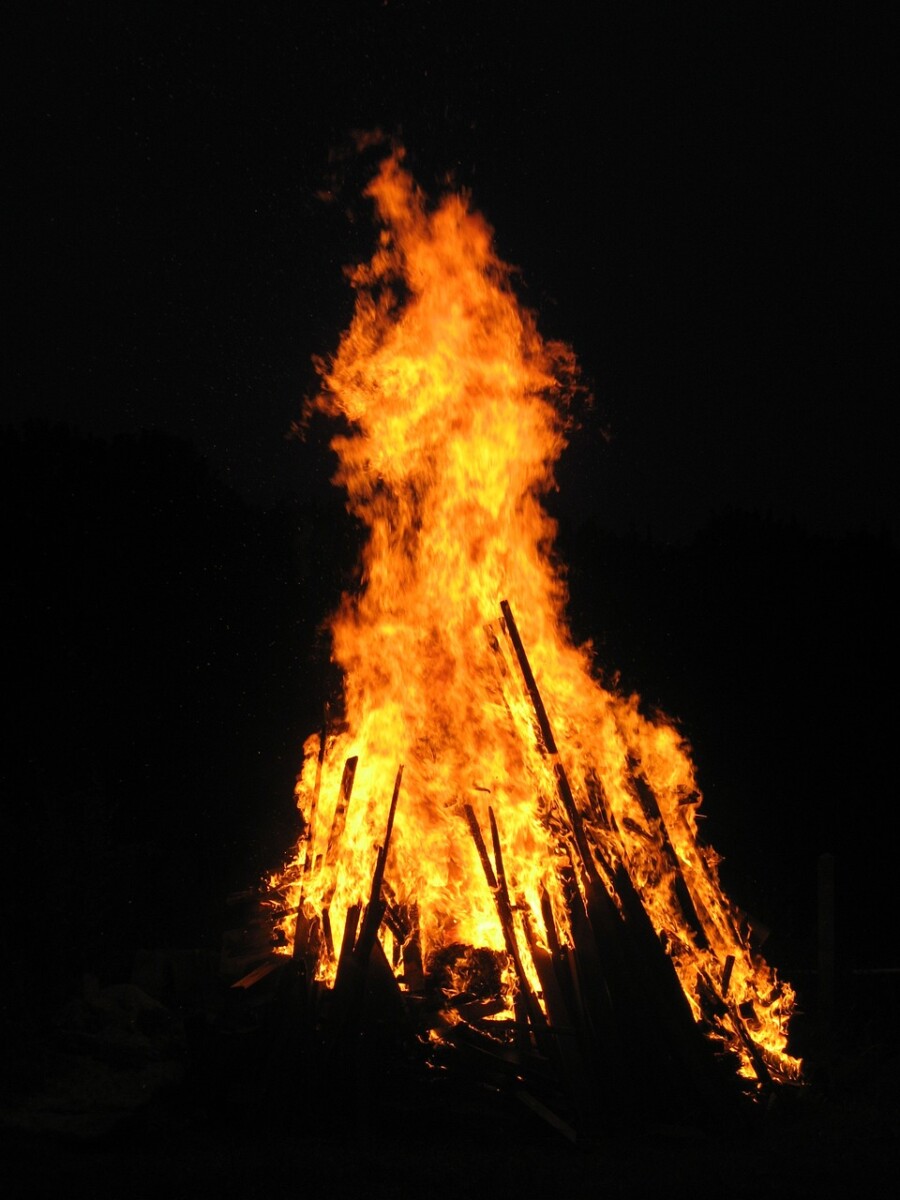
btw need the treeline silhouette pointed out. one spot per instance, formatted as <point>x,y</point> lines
<point>166,667</point>
<point>167,663</point>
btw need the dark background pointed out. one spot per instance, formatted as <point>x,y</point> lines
<point>699,200</point>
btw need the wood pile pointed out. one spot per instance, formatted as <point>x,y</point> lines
<point>607,1036</point>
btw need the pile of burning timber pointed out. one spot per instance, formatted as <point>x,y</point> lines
<point>580,1026</point>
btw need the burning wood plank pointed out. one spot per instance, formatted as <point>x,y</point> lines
<point>525,1004</point>
<point>359,952</point>
<point>689,906</point>
<point>585,855</point>
<point>340,812</point>
<point>376,906</point>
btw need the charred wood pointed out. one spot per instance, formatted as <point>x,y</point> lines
<point>560,959</point>
<point>570,1051</point>
<point>340,812</point>
<point>548,741</point>
<point>310,831</point>
<point>327,936</point>
<point>348,939</point>
<point>677,1035</point>
<point>403,922</point>
<point>650,806</point>
<point>535,1013</point>
<point>525,1002</point>
<point>547,1114</point>
<point>411,954</point>
<point>257,974</point>
<point>375,909</point>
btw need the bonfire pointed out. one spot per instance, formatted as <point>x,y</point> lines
<point>487,823</point>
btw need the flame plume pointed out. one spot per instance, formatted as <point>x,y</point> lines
<point>455,414</point>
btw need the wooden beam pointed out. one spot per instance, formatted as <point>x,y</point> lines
<point>317,787</point>
<point>646,798</point>
<point>305,945</point>
<point>340,812</point>
<point>528,1010</point>
<point>535,1012</point>
<point>376,906</point>
<point>561,779</point>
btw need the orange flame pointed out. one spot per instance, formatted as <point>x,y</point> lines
<point>455,415</point>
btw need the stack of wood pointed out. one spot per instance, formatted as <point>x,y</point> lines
<point>609,1034</point>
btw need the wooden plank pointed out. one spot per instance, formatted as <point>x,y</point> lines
<point>475,830</point>
<point>501,900</point>
<point>314,803</point>
<point>259,973</point>
<point>636,972</point>
<point>670,1022</point>
<point>413,967</point>
<point>403,922</point>
<point>340,812</point>
<point>376,907</point>
<point>308,937</point>
<point>331,853</point>
<point>721,1006</point>
<point>531,687</point>
<point>563,787</point>
<point>327,936</point>
<point>532,1005</point>
<point>361,949</point>
<point>573,1056</point>
<point>646,798</point>
<point>547,1114</point>
<point>349,937</point>
<point>305,945</point>
<point>561,963</point>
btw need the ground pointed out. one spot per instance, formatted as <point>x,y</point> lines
<point>213,1127</point>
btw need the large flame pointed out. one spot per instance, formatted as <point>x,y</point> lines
<point>454,410</point>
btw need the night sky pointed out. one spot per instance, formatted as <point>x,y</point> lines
<point>699,199</point>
